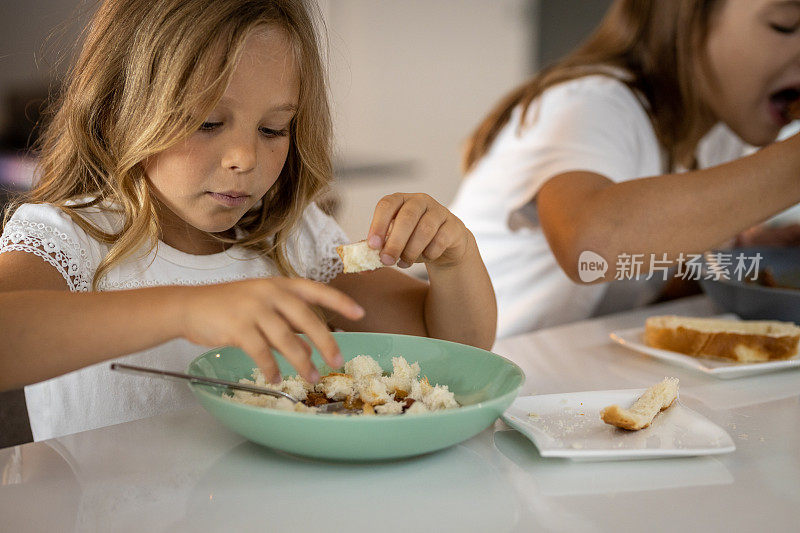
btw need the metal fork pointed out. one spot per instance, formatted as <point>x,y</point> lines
<point>333,407</point>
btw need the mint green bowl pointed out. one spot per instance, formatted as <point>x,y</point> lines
<point>484,384</point>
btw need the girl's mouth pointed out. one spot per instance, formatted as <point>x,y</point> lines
<point>230,199</point>
<point>785,105</point>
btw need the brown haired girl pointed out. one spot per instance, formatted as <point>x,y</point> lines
<point>182,164</point>
<point>602,152</point>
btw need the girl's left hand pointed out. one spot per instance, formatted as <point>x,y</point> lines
<point>420,230</point>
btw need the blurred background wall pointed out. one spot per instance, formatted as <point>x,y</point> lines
<point>411,79</point>
<point>34,36</point>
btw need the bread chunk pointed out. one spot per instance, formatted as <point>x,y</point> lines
<point>654,400</point>
<point>359,257</point>
<point>743,341</point>
<point>337,386</point>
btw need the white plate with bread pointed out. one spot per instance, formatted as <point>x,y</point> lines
<point>723,347</point>
<point>581,426</point>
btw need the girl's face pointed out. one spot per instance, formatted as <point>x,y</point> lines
<point>209,181</point>
<point>754,58</point>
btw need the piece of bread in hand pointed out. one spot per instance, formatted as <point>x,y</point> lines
<point>654,400</point>
<point>359,257</point>
<point>743,341</point>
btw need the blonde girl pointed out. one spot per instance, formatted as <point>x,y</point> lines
<point>632,147</point>
<point>175,211</point>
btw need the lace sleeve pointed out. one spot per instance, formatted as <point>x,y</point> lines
<point>47,232</point>
<point>315,256</point>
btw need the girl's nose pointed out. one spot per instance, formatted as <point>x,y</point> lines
<point>240,154</point>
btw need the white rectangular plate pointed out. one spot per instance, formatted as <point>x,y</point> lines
<point>633,338</point>
<point>569,426</point>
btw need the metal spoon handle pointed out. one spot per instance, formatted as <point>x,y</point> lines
<point>166,374</point>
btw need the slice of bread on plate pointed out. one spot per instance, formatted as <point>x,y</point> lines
<point>742,341</point>
<point>359,257</point>
<point>654,400</point>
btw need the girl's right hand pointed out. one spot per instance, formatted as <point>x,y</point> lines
<point>261,314</point>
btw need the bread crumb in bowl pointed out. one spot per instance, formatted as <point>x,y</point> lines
<point>362,387</point>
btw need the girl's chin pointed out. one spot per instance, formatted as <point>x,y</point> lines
<point>759,136</point>
<point>217,229</point>
<point>221,231</point>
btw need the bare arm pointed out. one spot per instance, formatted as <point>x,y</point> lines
<point>673,213</point>
<point>457,305</point>
<point>459,302</point>
<point>393,301</point>
<point>54,332</point>
<point>50,331</point>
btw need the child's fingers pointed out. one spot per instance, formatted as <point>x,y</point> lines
<point>290,346</point>
<point>256,346</point>
<point>426,231</point>
<point>385,211</point>
<point>321,294</point>
<point>304,320</point>
<point>444,239</point>
<point>405,222</point>
<point>435,249</point>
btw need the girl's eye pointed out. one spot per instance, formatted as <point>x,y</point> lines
<point>270,133</point>
<point>784,29</point>
<point>208,126</point>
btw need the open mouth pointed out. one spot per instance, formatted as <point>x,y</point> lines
<point>786,103</point>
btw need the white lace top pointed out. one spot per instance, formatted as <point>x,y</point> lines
<point>94,396</point>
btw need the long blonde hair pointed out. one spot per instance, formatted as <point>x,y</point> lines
<point>659,45</point>
<point>148,74</point>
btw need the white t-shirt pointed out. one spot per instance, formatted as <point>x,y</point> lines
<point>95,396</point>
<point>594,123</point>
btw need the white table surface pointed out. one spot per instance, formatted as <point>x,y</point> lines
<point>185,472</point>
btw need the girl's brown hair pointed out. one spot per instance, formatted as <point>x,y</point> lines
<point>148,74</point>
<point>657,44</point>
